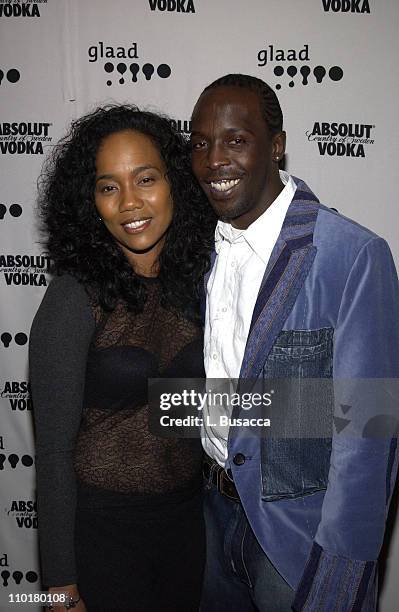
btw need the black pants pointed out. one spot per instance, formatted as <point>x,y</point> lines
<point>141,559</point>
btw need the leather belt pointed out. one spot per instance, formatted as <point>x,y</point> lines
<point>218,476</point>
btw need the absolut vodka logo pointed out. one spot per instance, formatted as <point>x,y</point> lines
<point>183,126</point>
<point>25,137</point>
<point>342,139</point>
<point>20,9</point>
<point>178,6</point>
<point>23,269</point>
<point>17,392</point>
<point>24,512</point>
<point>346,6</point>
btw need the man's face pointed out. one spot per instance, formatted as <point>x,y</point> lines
<point>234,156</point>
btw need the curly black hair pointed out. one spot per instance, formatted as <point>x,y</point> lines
<point>79,245</point>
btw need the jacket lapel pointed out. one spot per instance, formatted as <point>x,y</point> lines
<point>288,267</point>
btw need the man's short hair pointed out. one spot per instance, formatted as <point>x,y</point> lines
<point>269,104</point>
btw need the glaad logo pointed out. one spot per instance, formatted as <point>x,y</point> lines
<point>24,512</point>
<point>18,394</point>
<point>180,6</point>
<point>12,75</point>
<point>341,139</point>
<point>20,339</point>
<point>183,126</point>
<point>129,72</point>
<point>346,6</point>
<point>13,460</point>
<point>15,210</point>
<point>19,10</point>
<point>25,138</point>
<point>25,269</point>
<point>307,73</point>
<point>17,576</point>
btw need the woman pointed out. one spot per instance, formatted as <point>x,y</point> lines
<point>129,234</point>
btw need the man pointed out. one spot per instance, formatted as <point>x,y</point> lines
<point>296,292</point>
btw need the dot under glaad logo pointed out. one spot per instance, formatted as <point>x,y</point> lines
<point>131,73</point>
<point>318,73</point>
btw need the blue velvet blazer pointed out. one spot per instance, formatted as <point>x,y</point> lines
<point>328,308</point>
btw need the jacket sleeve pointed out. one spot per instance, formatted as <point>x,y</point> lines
<point>341,573</point>
<point>59,343</point>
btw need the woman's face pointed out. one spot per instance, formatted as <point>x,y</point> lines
<point>133,198</point>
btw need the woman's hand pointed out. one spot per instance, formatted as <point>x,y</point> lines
<point>72,591</point>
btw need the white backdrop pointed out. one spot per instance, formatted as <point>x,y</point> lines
<point>334,66</point>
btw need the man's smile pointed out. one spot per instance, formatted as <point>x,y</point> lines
<point>224,184</point>
<point>222,188</point>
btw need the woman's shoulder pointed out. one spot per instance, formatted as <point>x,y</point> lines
<point>65,298</point>
<point>63,323</point>
<point>66,288</point>
<point>65,282</point>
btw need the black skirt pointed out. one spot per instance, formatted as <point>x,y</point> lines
<point>140,554</point>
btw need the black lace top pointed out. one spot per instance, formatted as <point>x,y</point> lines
<point>89,372</point>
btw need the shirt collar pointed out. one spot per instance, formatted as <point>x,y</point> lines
<point>269,222</point>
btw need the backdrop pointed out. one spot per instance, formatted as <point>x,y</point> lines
<point>333,64</point>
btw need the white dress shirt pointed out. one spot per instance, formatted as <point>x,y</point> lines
<point>232,289</point>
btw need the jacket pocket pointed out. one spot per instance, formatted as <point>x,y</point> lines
<point>295,457</point>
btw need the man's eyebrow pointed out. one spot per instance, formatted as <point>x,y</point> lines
<point>231,130</point>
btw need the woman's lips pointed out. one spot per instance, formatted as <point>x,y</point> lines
<point>136,227</point>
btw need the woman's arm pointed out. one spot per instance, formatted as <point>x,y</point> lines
<point>59,342</point>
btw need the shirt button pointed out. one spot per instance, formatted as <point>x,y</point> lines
<point>214,356</point>
<point>239,459</point>
<point>224,309</point>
